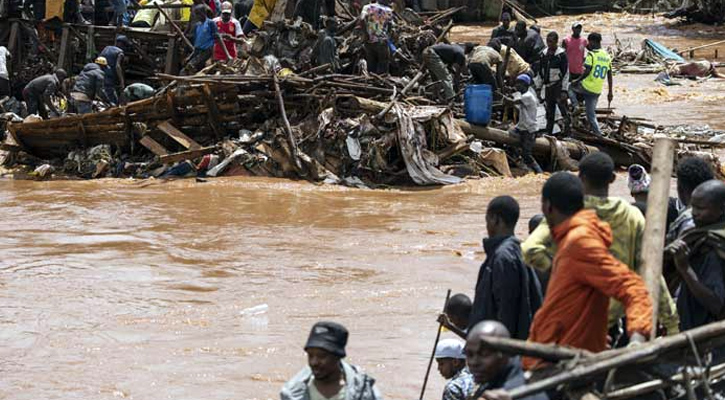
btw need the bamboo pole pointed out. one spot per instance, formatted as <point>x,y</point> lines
<point>653,242</point>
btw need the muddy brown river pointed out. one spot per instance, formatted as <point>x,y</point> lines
<point>183,290</point>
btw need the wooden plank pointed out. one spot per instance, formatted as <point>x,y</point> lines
<point>155,147</point>
<point>10,147</point>
<point>653,241</point>
<point>13,44</point>
<point>171,57</point>
<point>63,56</point>
<point>213,111</point>
<point>178,135</point>
<point>187,155</point>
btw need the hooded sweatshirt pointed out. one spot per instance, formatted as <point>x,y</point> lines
<point>358,386</point>
<point>89,81</point>
<point>583,277</point>
<point>627,225</point>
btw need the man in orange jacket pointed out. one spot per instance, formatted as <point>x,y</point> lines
<point>584,276</point>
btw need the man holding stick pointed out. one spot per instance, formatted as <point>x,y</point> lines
<point>228,27</point>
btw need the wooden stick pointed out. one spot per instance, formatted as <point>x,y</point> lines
<point>175,26</point>
<point>701,47</point>
<point>653,242</point>
<point>657,384</point>
<point>432,356</point>
<point>287,127</point>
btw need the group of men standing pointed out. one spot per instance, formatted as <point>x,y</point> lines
<point>574,282</point>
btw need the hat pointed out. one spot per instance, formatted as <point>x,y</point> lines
<point>576,24</point>
<point>122,38</point>
<point>450,348</point>
<point>227,7</point>
<point>638,179</point>
<point>328,336</point>
<point>101,61</point>
<point>524,78</point>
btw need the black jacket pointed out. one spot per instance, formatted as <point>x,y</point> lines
<point>552,69</point>
<point>90,81</point>
<point>507,290</point>
<point>530,47</point>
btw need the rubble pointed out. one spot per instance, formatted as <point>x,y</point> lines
<point>274,113</point>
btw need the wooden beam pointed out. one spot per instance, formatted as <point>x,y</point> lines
<point>10,147</point>
<point>155,147</point>
<point>171,57</point>
<point>653,241</point>
<point>13,44</point>
<point>64,40</point>
<point>186,155</point>
<point>213,112</point>
<point>178,135</point>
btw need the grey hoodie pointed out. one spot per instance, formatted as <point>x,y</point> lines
<point>90,81</point>
<point>358,386</point>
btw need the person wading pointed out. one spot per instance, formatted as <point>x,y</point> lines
<point>327,376</point>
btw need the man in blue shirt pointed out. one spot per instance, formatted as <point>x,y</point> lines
<point>113,71</point>
<point>205,34</point>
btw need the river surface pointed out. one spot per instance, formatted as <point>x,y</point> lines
<point>143,290</point>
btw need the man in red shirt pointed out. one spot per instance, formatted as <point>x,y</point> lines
<point>576,49</point>
<point>229,28</point>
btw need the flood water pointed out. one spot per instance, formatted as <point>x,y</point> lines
<point>143,290</point>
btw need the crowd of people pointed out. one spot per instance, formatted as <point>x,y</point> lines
<point>555,286</point>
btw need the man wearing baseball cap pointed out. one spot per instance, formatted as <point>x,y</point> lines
<point>576,49</point>
<point>327,376</point>
<point>527,105</point>
<point>452,365</point>
<point>228,27</point>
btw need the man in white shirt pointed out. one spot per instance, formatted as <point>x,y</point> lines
<point>4,75</point>
<point>528,106</point>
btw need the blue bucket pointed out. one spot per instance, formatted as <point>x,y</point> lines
<point>478,100</point>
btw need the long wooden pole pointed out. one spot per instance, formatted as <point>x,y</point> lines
<point>701,47</point>
<point>653,242</point>
<point>438,336</point>
<point>287,128</point>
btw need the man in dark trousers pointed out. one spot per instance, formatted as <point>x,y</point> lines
<point>89,86</point>
<point>37,93</point>
<point>327,375</point>
<point>552,72</point>
<point>507,290</point>
<point>438,58</point>
<point>114,71</point>
<point>702,292</point>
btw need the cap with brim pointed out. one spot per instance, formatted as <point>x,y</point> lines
<point>524,78</point>
<point>226,11</point>
<point>576,24</point>
<point>450,348</point>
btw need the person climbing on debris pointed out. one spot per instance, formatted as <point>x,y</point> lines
<point>504,32</point>
<point>576,50</point>
<point>597,173</point>
<point>114,75</point>
<point>584,276</point>
<point>483,64</point>
<point>438,58</point>
<point>229,28</point>
<point>597,67</point>
<point>325,49</point>
<point>528,43</point>
<point>377,19</point>
<point>451,362</point>
<point>493,371</point>
<point>696,257</point>
<point>527,104</point>
<point>328,376</point>
<point>5,88</point>
<point>205,35</point>
<point>552,72</point>
<point>89,86</point>
<point>691,172</point>
<point>515,65</point>
<point>38,92</point>
<point>507,290</point>
<point>137,91</point>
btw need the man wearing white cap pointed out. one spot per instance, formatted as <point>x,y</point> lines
<point>576,49</point>
<point>228,27</point>
<point>451,361</point>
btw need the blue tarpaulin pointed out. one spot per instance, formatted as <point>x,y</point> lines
<point>663,52</point>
